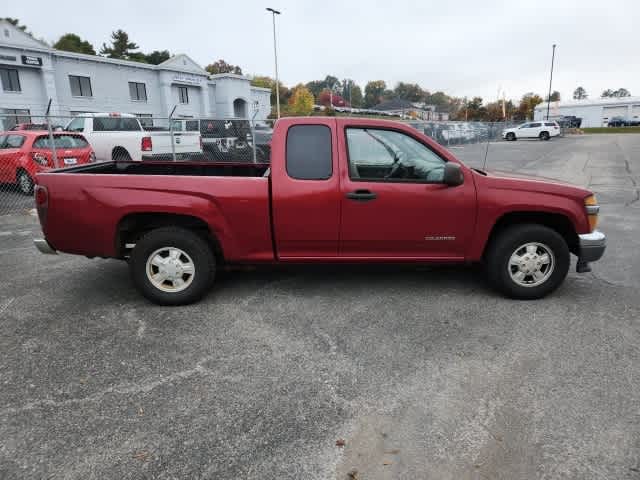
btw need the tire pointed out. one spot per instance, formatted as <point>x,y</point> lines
<point>25,182</point>
<point>511,137</point>
<point>544,136</point>
<point>189,273</point>
<point>518,242</point>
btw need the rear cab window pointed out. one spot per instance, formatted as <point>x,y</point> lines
<point>115,124</point>
<point>308,154</point>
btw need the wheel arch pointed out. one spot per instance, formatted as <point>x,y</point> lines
<point>556,221</point>
<point>121,150</point>
<point>134,225</point>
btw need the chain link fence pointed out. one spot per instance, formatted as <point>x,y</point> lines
<point>30,144</point>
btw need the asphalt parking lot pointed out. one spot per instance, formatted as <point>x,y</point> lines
<point>423,372</point>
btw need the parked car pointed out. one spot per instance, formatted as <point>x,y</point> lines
<point>618,122</point>
<point>542,130</point>
<point>231,140</point>
<point>337,190</point>
<point>569,121</point>
<point>116,136</point>
<point>25,153</point>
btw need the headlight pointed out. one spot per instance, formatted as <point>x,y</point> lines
<point>592,208</point>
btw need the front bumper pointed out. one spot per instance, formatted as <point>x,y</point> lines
<point>592,246</point>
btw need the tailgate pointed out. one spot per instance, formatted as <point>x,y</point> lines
<point>185,142</point>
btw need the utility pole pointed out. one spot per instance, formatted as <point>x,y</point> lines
<point>275,56</point>
<point>553,56</point>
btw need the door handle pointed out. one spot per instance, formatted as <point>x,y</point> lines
<point>362,195</point>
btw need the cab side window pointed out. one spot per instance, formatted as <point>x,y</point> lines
<point>387,155</point>
<point>76,125</point>
<point>308,154</point>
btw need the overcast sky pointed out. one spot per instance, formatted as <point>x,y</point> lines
<point>463,47</point>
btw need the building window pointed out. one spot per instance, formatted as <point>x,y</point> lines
<point>183,94</point>
<point>80,86</point>
<point>10,79</point>
<point>146,119</point>
<point>11,117</point>
<point>138,91</point>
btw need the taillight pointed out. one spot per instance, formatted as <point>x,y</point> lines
<point>92,157</point>
<point>42,203</point>
<point>40,159</point>
<point>147,145</point>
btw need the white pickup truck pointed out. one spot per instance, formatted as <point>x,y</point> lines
<point>120,136</point>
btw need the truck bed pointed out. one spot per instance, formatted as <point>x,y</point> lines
<point>89,204</point>
<point>198,169</point>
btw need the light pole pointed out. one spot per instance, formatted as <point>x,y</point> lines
<point>275,56</point>
<point>553,56</point>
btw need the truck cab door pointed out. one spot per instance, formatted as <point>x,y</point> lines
<point>395,205</point>
<point>305,189</point>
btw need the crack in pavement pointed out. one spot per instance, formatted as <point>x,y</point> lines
<point>123,389</point>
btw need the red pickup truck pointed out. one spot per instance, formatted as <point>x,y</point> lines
<point>336,190</point>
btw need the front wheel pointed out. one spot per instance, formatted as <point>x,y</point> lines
<point>172,266</point>
<point>511,136</point>
<point>25,182</point>
<point>527,261</point>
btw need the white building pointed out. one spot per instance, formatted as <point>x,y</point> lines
<point>31,73</point>
<point>594,112</point>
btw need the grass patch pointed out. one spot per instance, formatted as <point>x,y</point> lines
<point>611,130</point>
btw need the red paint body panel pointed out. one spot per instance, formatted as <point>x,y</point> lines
<point>235,209</point>
<point>308,220</point>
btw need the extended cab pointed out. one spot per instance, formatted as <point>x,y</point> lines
<point>336,190</point>
<point>116,136</point>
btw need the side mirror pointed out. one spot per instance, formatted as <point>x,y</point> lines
<point>453,175</point>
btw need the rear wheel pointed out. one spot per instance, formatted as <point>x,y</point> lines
<point>511,136</point>
<point>172,266</point>
<point>544,135</point>
<point>527,261</point>
<point>25,182</point>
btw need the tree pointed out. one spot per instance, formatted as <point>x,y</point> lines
<point>555,96</point>
<point>409,91</point>
<point>157,57</point>
<point>439,99</point>
<point>16,23</point>
<point>268,82</point>
<point>70,42</point>
<point>356,96</point>
<point>580,94</point>
<point>223,67</point>
<point>622,92</point>
<point>120,47</point>
<point>373,92</point>
<point>527,105</point>
<point>301,101</point>
<point>607,93</point>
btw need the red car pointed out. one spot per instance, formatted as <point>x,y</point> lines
<point>25,153</point>
<point>341,190</point>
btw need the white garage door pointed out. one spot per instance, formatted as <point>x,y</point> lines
<point>635,112</point>
<point>609,112</point>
